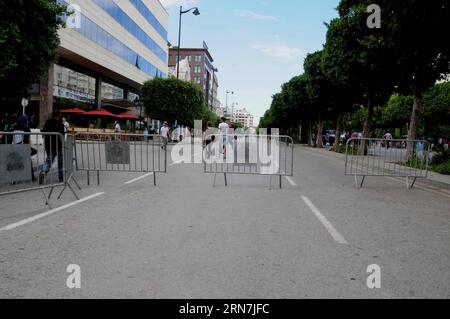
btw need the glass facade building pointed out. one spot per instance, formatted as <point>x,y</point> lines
<point>108,49</point>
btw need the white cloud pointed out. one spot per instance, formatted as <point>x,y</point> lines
<point>280,51</point>
<point>253,15</point>
<point>172,3</point>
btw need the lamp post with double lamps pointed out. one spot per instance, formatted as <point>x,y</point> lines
<point>195,12</point>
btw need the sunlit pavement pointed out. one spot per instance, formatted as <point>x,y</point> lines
<point>315,238</point>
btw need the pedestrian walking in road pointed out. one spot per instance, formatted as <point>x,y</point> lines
<point>165,136</point>
<point>388,137</point>
<point>223,128</point>
<point>207,137</point>
<point>53,147</point>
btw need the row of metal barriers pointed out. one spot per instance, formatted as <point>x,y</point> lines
<point>46,161</point>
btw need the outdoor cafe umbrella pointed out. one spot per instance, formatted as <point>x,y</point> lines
<point>101,112</point>
<point>127,116</point>
<point>73,111</point>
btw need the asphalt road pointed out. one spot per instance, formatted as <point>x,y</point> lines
<point>185,238</point>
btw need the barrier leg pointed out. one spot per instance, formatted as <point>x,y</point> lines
<point>67,184</point>
<point>226,181</point>
<point>355,181</point>
<point>362,182</point>
<point>51,193</point>
<point>98,178</point>
<point>46,198</point>
<point>281,182</point>
<point>413,183</point>
<point>154,178</point>
<point>88,179</point>
<point>215,177</point>
<point>76,182</point>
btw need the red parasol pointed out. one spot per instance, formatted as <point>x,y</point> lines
<point>72,111</point>
<point>127,116</point>
<point>101,112</point>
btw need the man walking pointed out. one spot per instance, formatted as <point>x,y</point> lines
<point>223,128</point>
<point>165,136</point>
<point>53,147</point>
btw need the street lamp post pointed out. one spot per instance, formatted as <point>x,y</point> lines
<point>226,111</point>
<point>195,12</point>
<point>24,105</point>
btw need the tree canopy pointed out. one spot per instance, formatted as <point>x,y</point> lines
<point>28,40</point>
<point>174,100</point>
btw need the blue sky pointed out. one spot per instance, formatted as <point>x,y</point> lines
<point>257,45</point>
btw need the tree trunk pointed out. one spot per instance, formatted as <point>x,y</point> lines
<point>366,129</point>
<point>414,126</point>
<point>319,137</point>
<point>337,141</point>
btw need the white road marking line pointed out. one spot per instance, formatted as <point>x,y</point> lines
<point>325,222</point>
<point>291,181</point>
<point>50,212</point>
<point>138,179</point>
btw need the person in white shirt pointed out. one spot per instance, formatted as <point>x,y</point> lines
<point>66,126</point>
<point>117,128</point>
<point>165,135</point>
<point>223,128</point>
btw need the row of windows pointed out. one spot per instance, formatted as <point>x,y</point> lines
<point>124,20</point>
<point>92,31</point>
<point>148,15</point>
<point>95,33</point>
<point>197,58</point>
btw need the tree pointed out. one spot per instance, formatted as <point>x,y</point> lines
<point>422,51</point>
<point>414,47</point>
<point>174,100</point>
<point>436,111</point>
<point>28,40</point>
<point>317,87</point>
<point>362,59</point>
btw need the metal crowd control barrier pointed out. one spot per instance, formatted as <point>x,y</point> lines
<point>102,152</point>
<point>386,158</point>
<point>241,154</point>
<point>34,162</point>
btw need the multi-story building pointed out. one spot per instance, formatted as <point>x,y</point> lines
<point>107,51</point>
<point>203,71</point>
<point>244,117</point>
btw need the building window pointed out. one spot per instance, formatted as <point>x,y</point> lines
<point>197,80</point>
<point>74,85</point>
<point>111,92</point>
<point>198,58</point>
<point>95,33</point>
<point>190,58</point>
<point>197,69</point>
